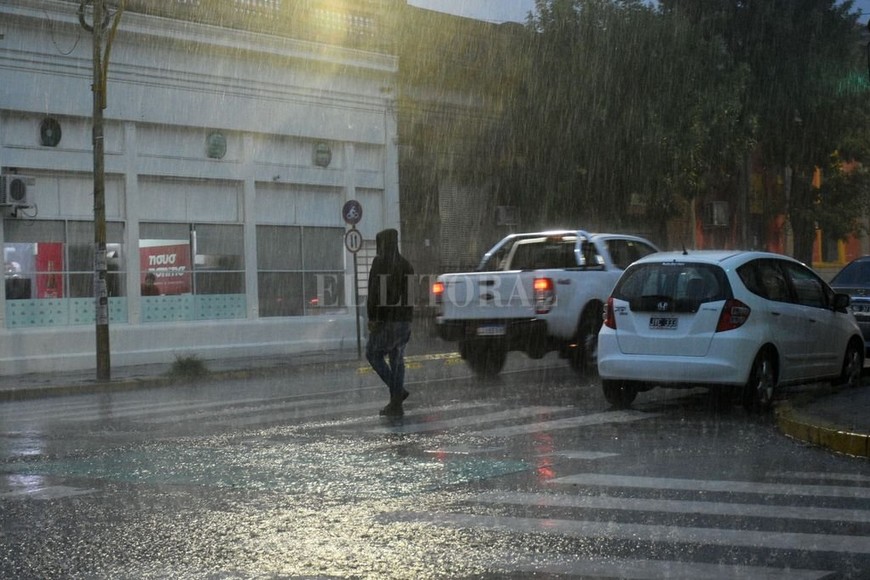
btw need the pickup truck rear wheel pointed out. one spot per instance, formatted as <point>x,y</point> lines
<point>583,355</point>
<point>485,357</point>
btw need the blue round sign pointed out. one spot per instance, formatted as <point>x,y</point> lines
<point>351,212</point>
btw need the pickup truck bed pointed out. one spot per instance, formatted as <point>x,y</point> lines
<point>536,293</point>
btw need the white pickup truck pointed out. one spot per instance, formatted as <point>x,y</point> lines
<point>536,293</point>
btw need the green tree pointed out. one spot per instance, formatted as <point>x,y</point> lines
<point>624,106</point>
<point>798,54</point>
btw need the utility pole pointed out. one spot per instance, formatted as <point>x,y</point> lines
<point>100,21</point>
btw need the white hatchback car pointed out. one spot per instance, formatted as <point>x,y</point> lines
<point>737,322</point>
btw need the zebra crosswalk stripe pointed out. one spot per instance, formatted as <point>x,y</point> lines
<point>605,502</point>
<point>470,420</point>
<point>651,569</point>
<point>610,530</point>
<point>567,423</point>
<point>726,486</point>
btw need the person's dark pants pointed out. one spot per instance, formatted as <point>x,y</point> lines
<point>389,340</point>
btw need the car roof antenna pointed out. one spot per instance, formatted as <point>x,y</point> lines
<point>685,252</point>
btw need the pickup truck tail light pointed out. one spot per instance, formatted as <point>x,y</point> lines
<point>438,296</point>
<point>545,295</point>
<point>734,314</point>
<point>609,318</point>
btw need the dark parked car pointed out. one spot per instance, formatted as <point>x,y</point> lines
<point>854,280</point>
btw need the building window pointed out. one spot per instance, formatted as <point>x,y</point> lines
<point>300,270</point>
<point>191,271</point>
<point>53,260</point>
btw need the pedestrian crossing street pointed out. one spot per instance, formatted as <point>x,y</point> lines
<point>778,525</point>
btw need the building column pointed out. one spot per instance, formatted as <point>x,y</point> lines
<point>249,217</point>
<point>131,231</point>
<point>392,216</point>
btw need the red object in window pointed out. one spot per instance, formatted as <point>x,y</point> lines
<point>170,264</point>
<point>49,268</point>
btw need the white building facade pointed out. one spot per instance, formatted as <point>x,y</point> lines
<point>229,156</point>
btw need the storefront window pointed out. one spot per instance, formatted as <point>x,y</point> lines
<point>55,259</point>
<point>299,270</point>
<point>192,259</point>
<point>191,271</point>
<point>50,272</point>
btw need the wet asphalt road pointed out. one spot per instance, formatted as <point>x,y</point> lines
<point>530,474</point>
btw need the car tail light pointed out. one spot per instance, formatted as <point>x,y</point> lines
<point>545,295</point>
<point>609,318</point>
<point>734,314</point>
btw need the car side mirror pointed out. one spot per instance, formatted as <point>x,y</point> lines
<point>841,302</point>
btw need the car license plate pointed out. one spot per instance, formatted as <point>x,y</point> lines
<point>656,323</point>
<point>491,330</point>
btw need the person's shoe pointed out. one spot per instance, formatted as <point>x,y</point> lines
<point>392,410</point>
<point>404,395</point>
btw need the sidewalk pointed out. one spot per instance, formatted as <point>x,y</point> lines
<point>39,385</point>
<point>838,420</point>
<point>835,419</point>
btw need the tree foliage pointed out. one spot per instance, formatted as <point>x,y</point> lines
<point>627,105</point>
<point>798,54</point>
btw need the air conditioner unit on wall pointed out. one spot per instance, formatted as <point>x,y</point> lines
<point>716,213</point>
<point>16,190</point>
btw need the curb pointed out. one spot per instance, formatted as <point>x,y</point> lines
<point>799,426</point>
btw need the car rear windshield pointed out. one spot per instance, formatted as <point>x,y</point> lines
<point>855,274</point>
<point>672,286</point>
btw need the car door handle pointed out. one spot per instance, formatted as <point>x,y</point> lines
<point>774,313</point>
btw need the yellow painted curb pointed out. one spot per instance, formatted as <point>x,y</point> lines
<point>416,361</point>
<point>798,426</point>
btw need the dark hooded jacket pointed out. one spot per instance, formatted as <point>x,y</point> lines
<point>389,299</point>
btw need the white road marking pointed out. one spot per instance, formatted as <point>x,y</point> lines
<point>652,569</point>
<point>742,510</point>
<point>471,420</point>
<point>754,487</point>
<point>567,423</point>
<point>651,533</point>
<point>590,455</point>
<point>856,477</point>
<point>45,493</point>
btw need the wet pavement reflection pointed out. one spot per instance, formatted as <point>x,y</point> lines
<point>298,476</point>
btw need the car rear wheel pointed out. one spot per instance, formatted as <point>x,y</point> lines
<point>853,365</point>
<point>485,357</point>
<point>759,389</point>
<point>619,394</point>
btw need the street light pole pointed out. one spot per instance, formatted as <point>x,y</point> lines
<point>101,296</point>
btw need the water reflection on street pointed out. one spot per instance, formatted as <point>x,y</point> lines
<point>298,477</point>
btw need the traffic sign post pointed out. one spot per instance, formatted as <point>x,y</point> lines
<point>353,240</point>
<point>352,213</point>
